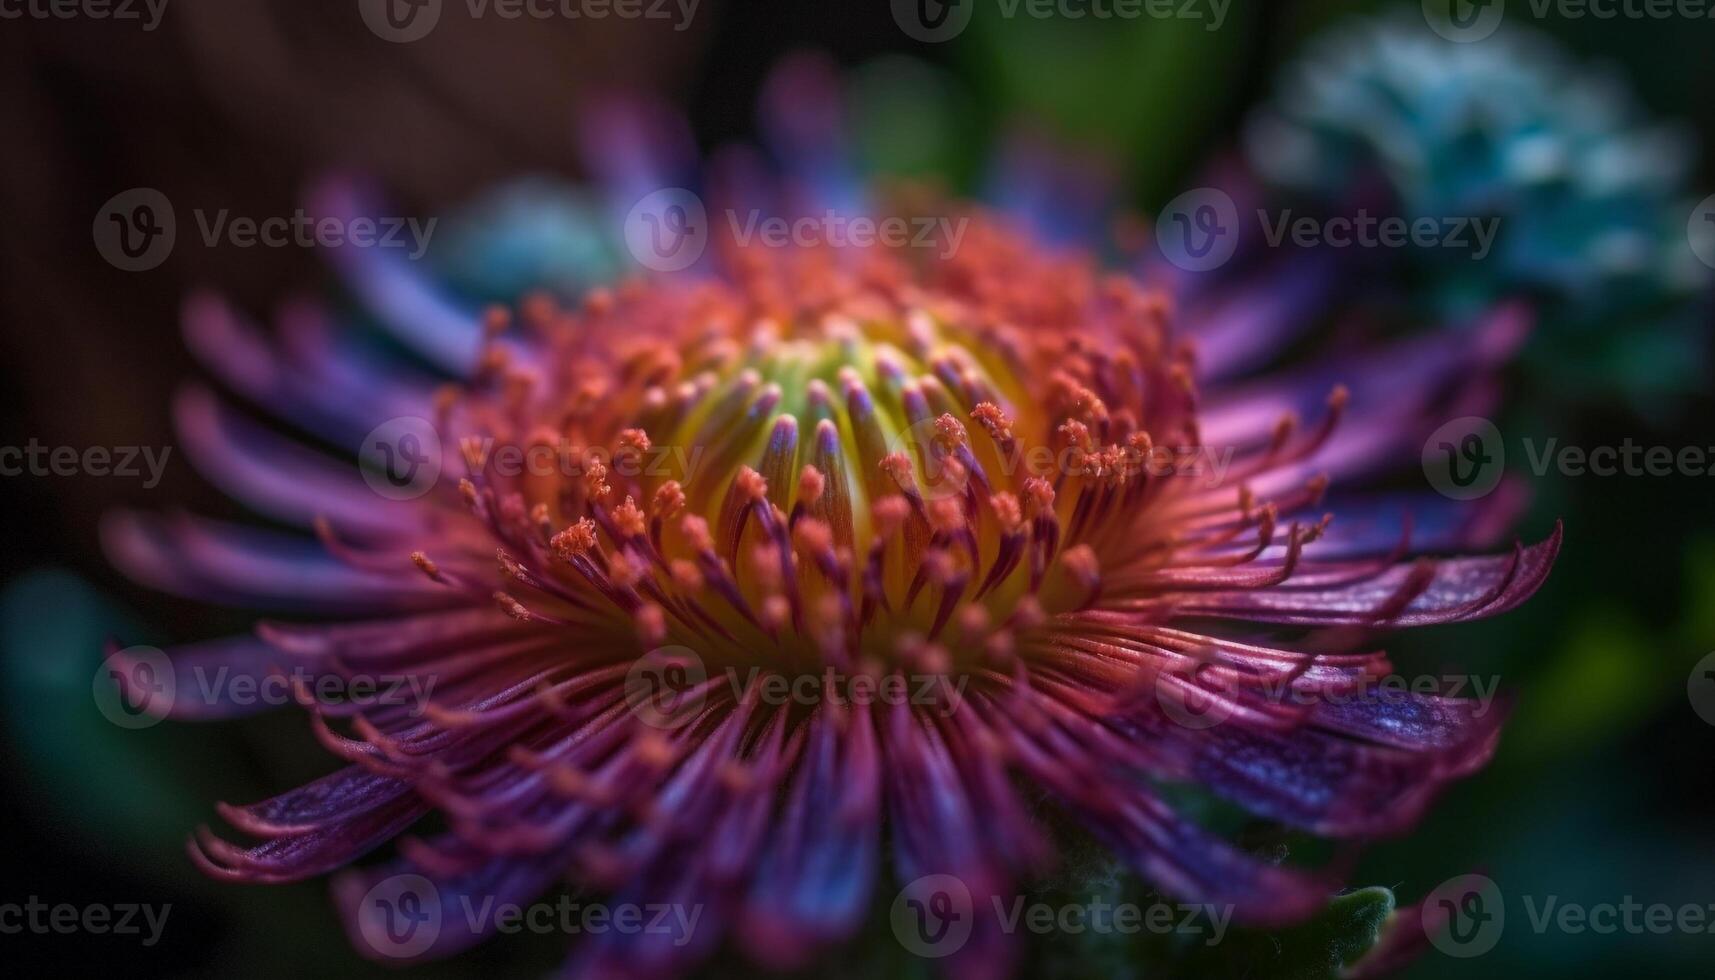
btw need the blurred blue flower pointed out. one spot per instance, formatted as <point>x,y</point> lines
<point>1591,194</point>
<point>526,234</point>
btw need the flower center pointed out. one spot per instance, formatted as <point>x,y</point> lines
<point>864,464</point>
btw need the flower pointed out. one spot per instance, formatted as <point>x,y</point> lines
<point>1590,195</point>
<point>830,560</point>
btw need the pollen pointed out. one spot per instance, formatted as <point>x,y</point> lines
<point>826,496</point>
<point>629,520</point>
<point>576,540</point>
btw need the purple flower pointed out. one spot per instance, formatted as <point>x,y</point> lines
<point>753,588</point>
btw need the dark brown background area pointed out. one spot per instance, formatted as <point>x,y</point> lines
<point>236,104</point>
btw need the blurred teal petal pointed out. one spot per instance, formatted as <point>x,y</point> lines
<point>530,233</point>
<point>1585,190</point>
<point>128,793</point>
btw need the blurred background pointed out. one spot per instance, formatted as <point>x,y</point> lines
<point>1602,789</point>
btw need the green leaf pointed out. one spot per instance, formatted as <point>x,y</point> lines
<point>1604,680</point>
<point>92,774</point>
<point>1322,948</point>
<point>1146,89</point>
<point>913,119</point>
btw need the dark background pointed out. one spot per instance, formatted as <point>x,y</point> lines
<point>1602,790</point>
